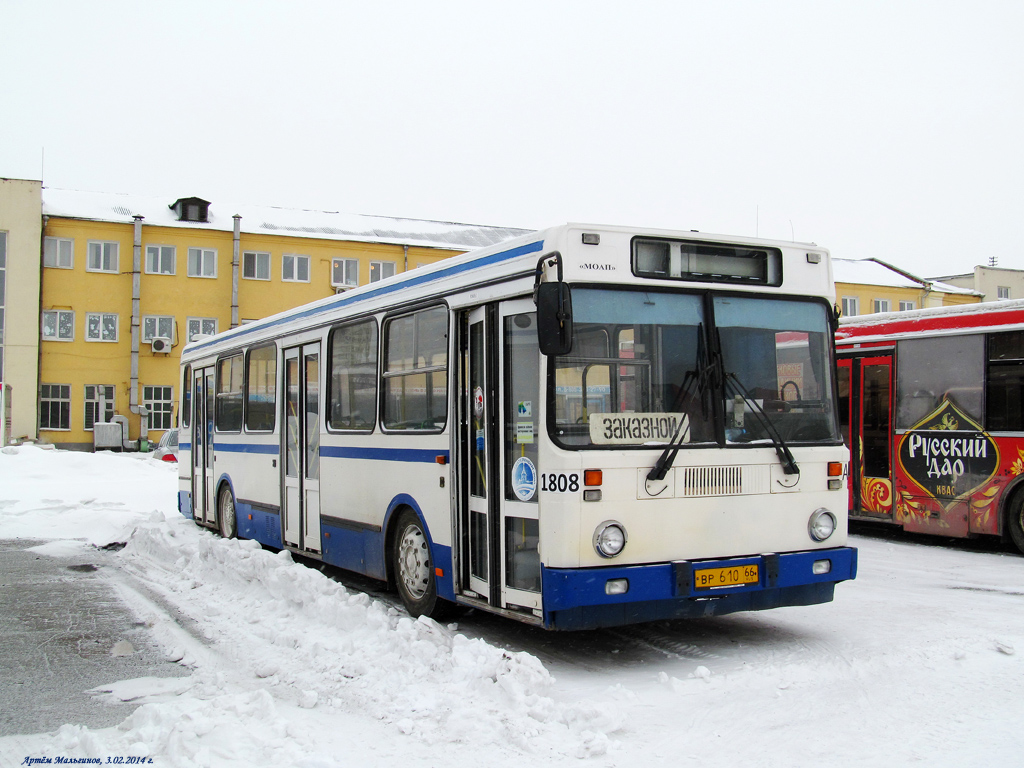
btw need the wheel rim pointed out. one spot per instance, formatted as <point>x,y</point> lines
<point>414,562</point>
<point>227,514</point>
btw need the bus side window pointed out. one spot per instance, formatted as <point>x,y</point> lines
<point>353,377</point>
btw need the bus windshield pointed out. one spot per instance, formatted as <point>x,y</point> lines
<point>643,372</point>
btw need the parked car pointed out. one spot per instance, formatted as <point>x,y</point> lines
<point>167,448</point>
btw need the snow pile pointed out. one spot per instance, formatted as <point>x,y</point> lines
<point>68,495</point>
<point>283,656</point>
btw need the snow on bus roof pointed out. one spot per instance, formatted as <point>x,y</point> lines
<point>964,318</point>
<point>271,220</point>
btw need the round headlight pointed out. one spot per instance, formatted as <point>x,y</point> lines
<point>821,525</point>
<point>609,538</point>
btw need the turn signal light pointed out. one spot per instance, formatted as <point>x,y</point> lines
<point>835,469</point>
<point>592,477</point>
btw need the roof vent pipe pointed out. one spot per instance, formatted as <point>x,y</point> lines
<point>236,242</point>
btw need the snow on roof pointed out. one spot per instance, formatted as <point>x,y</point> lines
<point>876,272</point>
<point>270,220</point>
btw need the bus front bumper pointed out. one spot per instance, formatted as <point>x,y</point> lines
<point>588,598</point>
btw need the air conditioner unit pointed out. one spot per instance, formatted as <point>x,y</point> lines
<point>161,345</point>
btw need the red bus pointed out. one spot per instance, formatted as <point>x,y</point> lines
<point>932,407</point>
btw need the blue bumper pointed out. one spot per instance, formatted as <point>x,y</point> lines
<point>577,598</point>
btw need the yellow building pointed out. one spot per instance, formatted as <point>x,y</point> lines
<point>866,286</point>
<point>127,281</point>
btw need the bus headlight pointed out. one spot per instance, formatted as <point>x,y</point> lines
<point>609,538</point>
<point>821,525</point>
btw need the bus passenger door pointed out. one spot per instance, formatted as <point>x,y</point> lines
<point>301,436</point>
<point>874,448</point>
<point>844,384</point>
<point>204,507</point>
<point>500,407</point>
<point>478,525</point>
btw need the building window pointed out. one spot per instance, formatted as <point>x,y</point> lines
<point>344,273</point>
<point>58,325</point>
<point>160,259</point>
<point>58,252</point>
<point>99,404</point>
<point>850,306</point>
<point>379,270</point>
<point>256,265</point>
<point>201,326</point>
<point>1003,292</point>
<point>102,256</point>
<point>100,326</point>
<point>55,406</point>
<point>295,268</point>
<point>160,402</point>
<point>191,209</point>
<point>905,306</point>
<point>157,326</point>
<point>882,305</point>
<point>202,262</point>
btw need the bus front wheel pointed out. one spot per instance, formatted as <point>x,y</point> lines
<point>1015,519</point>
<point>413,569</point>
<point>226,522</point>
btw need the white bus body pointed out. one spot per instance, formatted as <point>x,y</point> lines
<point>412,430</point>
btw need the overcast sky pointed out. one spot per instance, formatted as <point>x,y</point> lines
<point>890,129</point>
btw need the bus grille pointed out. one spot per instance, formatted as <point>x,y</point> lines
<point>710,481</point>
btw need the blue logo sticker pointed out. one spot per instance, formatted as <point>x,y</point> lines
<point>524,479</point>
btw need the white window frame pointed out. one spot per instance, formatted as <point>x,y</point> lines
<point>57,313</point>
<point>850,306</point>
<point>91,410</point>
<point>256,258</point>
<point>377,269</point>
<point>290,267</point>
<point>166,409</point>
<point>59,399</point>
<point>155,257</point>
<point>55,248</point>
<point>155,321</point>
<point>104,317</point>
<point>906,306</point>
<point>882,305</point>
<point>1002,291</point>
<point>108,253</point>
<point>200,321</point>
<point>204,254</point>
<point>348,280</point>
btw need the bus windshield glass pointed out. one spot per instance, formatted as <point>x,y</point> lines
<point>643,372</point>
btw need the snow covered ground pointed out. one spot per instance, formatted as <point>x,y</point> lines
<point>919,661</point>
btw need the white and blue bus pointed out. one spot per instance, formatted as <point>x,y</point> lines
<point>583,427</point>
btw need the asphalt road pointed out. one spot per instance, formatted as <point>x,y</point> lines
<point>63,631</point>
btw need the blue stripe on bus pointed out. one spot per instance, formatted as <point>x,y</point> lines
<point>415,455</point>
<point>346,299</point>
<point>246,448</point>
<point>409,455</point>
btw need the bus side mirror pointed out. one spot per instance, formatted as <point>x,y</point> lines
<point>554,318</point>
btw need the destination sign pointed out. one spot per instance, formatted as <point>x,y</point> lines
<point>638,428</point>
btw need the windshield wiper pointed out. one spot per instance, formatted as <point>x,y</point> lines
<point>789,465</point>
<point>700,382</point>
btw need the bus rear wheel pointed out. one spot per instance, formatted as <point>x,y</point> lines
<point>414,570</point>
<point>1015,519</point>
<point>226,522</point>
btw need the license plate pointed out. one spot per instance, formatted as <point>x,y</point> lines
<point>709,578</point>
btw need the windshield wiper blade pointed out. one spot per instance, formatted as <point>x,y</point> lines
<point>694,383</point>
<point>789,465</point>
